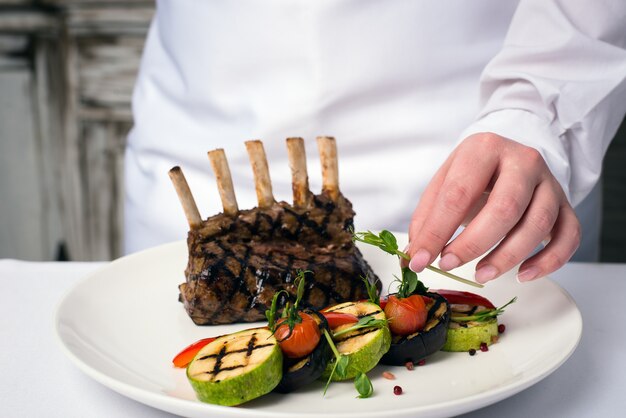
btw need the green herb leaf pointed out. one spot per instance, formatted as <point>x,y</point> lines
<point>270,314</point>
<point>299,282</point>
<point>372,291</point>
<point>387,242</point>
<point>331,343</point>
<point>482,316</point>
<point>367,321</point>
<point>342,366</point>
<point>363,385</point>
<point>408,284</point>
<point>291,312</point>
<point>330,378</point>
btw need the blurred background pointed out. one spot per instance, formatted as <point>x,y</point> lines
<point>67,69</point>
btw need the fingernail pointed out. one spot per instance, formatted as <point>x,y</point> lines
<point>449,261</point>
<point>420,260</point>
<point>485,273</point>
<point>528,274</point>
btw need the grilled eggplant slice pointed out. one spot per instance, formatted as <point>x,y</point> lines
<point>364,347</point>
<point>302,371</point>
<point>419,345</point>
<point>236,368</point>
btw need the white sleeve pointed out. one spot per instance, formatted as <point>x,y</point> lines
<point>559,85</point>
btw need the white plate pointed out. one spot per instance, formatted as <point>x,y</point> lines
<point>123,324</point>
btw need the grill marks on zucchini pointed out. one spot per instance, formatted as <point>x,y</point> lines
<point>236,368</point>
<point>352,341</point>
<point>227,355</point>
<point>217,368</point>
<point>364,346</point>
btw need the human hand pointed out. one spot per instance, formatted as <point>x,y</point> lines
<point>506,195</point>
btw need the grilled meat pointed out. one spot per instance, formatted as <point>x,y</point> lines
<point>238,260</point>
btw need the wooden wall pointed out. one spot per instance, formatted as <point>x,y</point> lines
<point>67,68</point>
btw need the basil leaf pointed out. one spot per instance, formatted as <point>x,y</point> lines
<point>389,241</point>
<point>410,278</point>
<point>342,367</point>
<point>363,385</point>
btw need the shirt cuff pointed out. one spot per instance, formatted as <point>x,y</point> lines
<point>531,130</point>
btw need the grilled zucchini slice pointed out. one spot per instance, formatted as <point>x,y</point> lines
<point>236,368</point>
<point>364,347</point>
<point>463,336</point>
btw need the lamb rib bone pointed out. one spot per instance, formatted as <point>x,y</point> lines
<point>302,196</point>
<point>186,198</point>
<point>261,172</point>
<point>219,164</point>
<point>330,167</point>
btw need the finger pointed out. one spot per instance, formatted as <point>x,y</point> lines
<point>530,231</point>
<point>457,194</point>
<point>564,241</point>
<point>511,195</point>
<point>475,210</point>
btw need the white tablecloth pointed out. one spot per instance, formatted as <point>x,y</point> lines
<point>37,380</point>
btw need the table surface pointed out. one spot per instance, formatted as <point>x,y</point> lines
<point>36,379</point>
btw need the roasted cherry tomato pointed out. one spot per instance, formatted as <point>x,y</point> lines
<point>457,297</point>
<point>407,315</point>
<point>339,318</point>
<point>303,338</point>
<point>183,358</point>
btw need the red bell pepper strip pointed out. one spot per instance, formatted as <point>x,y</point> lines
<point>339,318</point>
<point>183,358</point>
<point>458,297</point>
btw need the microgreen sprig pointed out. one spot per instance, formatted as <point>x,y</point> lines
<point>270,314</point>
<point>341,362</point>
<point>482,316</point>
<point>387,242</point>
<point>362,383</point>
<point>409,284</point>
<point>291,311</point>
<point>372,291</point>
<point>367,321</point>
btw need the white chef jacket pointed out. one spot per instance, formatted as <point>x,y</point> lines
<point>397,82</point>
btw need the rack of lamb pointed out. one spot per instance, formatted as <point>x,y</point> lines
<point>239,259</point>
